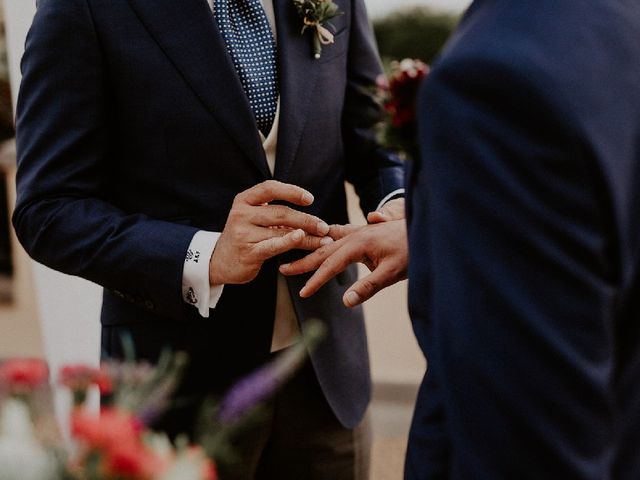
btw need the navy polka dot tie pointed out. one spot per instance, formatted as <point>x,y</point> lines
<point>250,42</point>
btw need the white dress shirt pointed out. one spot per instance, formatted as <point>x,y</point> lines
<point>196,289</point>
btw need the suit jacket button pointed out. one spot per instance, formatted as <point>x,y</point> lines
<point>149,305</point>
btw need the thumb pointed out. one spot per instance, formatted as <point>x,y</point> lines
<point>377,217</point>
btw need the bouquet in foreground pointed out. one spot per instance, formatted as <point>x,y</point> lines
<point>398,94</point>
<point>118,443</point>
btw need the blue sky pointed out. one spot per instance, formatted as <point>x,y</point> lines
<point>380,7</point>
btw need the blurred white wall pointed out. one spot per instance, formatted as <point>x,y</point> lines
<point>18,16</point>
<point>69,307</point>
<point>21,333</point>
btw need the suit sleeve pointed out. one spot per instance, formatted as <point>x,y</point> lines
<point>511,274</point>
<point>374,171</point>
<point>64,216</point>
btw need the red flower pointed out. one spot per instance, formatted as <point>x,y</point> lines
<point>115,436</point>
<point>398,95</point>
<point>129,462</point>
<point>406,78</point>
<point>81,377</point>
<point>210,472</point>
<point>109,430</point>
<point>23,375</point>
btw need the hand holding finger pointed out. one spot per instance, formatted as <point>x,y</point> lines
<point>309,242</point>
<point>275,246</point>
<point>256,231</point>
<point>312,243</point>
<point>310,262</point>
<point>281,216</point>
<point>338,232</point>
<point>383,248</point>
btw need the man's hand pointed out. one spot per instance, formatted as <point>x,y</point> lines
<point>390,211</point>
<point>256,231</point>
<point>382,247</point>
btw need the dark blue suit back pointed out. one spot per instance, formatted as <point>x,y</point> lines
<point>525,242</point>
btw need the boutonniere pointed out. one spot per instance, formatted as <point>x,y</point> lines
<point>315,14</point>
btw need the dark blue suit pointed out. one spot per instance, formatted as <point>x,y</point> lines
<point>525,242</point>
<point>134,132</point>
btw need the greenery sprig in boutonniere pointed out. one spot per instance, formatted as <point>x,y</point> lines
<point>316,14</point>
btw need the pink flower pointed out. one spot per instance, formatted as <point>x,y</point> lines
<point>23,375</point>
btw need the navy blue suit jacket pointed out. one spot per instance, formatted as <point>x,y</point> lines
<point>134,132</point>
<point>525,241</point>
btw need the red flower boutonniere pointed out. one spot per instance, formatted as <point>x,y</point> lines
<point>398,95</point>
<point>315,14</point>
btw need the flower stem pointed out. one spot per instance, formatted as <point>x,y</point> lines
<point>317,46</point>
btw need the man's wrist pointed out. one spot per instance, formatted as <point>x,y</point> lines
<point>215,279</point>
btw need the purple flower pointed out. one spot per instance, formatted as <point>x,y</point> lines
<point>262,384</point>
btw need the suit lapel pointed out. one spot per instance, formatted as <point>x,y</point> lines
<point>188,34</point>
<point>298,75</point>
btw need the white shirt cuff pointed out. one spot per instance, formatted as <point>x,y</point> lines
<point>395,193</point>
<point>196,289</point>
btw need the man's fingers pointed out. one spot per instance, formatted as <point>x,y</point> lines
<point>272,190</point>
<point>312,243</point>
<point>275,246</point>
<point>335,263</point>
<point>281,216</point>
<point>309,242</point>
<point>367,287</point>
<point>310,262</point>
<point>340,231</point>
